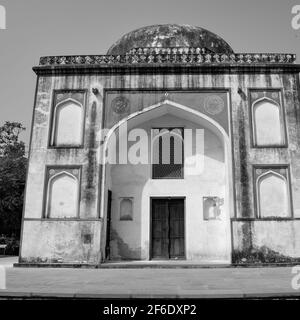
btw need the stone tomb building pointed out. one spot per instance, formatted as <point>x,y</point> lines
<point>234,118</point>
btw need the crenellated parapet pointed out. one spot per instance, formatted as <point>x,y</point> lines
<point>175,55</point>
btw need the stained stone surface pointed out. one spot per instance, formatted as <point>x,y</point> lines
<point>190,281</point>
<point>181,79</point>
<point>170,35</point>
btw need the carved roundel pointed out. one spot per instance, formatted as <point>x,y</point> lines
<point>120,105</point>
<point>214,105</point>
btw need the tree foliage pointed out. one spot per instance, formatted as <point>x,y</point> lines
<point>13,165</point>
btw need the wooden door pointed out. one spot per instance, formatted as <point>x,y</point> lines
<point>168,228</point>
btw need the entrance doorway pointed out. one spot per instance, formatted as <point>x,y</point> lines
<point>208,188</point>
<point>167,228</point>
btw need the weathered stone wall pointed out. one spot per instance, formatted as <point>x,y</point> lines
<point>55,241</point>
<point>266,241</point>
<point>259,240</point>
<point>62,239</point>
<point>243,155</point>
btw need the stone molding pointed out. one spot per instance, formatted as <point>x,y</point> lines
<point>163,56</point>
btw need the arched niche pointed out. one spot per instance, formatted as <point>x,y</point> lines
<point>273,195</point>
<point>268,125</point>
<point>62,197</point>
<point>126,209</point>
<point>67,124</point>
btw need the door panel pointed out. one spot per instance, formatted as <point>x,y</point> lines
<point>160,239</point>
<point>167,228</point>
<point>176,218</point>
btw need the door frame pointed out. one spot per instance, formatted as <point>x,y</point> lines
<point>150,225</point>
<point>108,225</point>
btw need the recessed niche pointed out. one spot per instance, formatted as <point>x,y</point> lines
<point>126,209</point>
<point>211,208</point>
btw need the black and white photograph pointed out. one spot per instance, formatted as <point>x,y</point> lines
<point>149,157</point>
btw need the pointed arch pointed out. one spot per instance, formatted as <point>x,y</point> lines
<point>273,195</point>
<point>68,119</point>
<point>268,123</point>
<point>171,107</point>
<point>62,195</point>
<point>172,104</point>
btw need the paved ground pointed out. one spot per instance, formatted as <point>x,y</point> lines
<point>8,261</point>
<point>147,283</point>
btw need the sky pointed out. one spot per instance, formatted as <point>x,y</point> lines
<point>68,27</point>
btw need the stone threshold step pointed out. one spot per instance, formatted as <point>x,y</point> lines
<point>55,265</point>
<point>149,265</point>
<point>217,294</point>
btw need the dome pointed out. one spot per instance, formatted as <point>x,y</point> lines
<point>170,35</point>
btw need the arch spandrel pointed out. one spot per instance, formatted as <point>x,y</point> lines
<point>121,104</point>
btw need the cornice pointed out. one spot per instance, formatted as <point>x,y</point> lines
<point>124,69</point>
<point>172,60</point>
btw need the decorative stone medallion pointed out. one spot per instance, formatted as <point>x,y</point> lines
<point>214,105</point>
<point>120,105</point>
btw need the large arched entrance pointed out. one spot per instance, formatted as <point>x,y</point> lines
<point>188,216</point>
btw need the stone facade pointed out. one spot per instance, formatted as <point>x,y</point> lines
<point>188,87</point>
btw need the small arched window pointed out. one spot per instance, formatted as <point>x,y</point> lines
<point>62,199</point>
<point>268,126</point>
<point>273,195</point>
<point>68,124</point>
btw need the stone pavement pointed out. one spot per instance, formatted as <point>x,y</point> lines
<point>8,261</point>
<point>148,283</point>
